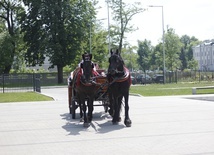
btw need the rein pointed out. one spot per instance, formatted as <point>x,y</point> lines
<point>125,77</point>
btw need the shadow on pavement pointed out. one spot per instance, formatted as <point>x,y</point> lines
<point>101,123</point>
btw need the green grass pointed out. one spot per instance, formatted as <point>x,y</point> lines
<point>23,97</point>
<point>144,90</point>
<point>170,89</point>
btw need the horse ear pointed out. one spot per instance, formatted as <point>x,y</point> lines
<point>117,52</point>
<point>81,65</point>
<point>90,55</point>
<point>92,65</point>
<point>111,52</point>
<point>83,56</point>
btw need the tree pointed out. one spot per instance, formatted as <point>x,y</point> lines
<point>98,44</point>
<point>183,58</point>
<point>9,14</point>
<point>193,64</point>
<point>156,60</point>
<point>144,52</point>
<point>122,15</point>
<point>130,57</point>
<point>56,29</point>
<point>172,49</point>
<point>6,50</point>
<point>186,55</point>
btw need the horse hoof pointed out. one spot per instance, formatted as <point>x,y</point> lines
<point>128,123</point>
<point>81,120</point>
<point>119,119</point>
<point>89,119</point>
<point>86,125</point>
<point>115,123</point>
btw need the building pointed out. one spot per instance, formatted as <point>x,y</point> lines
<point>45,66</point>
<point>204,55</point>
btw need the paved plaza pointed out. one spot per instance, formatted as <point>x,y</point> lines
<point>176,125</point>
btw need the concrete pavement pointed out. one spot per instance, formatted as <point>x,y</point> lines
<point>180,125</point>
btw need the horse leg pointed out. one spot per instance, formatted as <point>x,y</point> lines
<point>90,109</point>
<point>111,106</point>
<point>81,113</point>
<point>85,124</point>
<point>127,120</point>
<point>117,110</point>
<point>119,107</point>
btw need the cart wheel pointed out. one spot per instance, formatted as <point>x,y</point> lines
<point>73,108</point>
<point>70,109</point>
<point>105,105</point>
<point>70,106</point>
<point>106,108</point>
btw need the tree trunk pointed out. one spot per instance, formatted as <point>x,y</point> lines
<point>7,69</point>
<point>60,74</point>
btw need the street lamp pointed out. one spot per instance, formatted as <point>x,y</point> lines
<point>107,1</point>
<point>164,79</point>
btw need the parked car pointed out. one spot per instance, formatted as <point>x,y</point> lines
<point>134,81</point>
<point>158,78</point>
<point>143,79</point>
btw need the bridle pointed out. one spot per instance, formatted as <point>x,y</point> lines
<point>115,70</point>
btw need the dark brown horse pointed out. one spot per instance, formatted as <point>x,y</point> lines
<point>85,88</point>
<point>119,84</point>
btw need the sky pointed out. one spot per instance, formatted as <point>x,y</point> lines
<point>186,17</point>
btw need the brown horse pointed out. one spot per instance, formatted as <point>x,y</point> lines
<point>85,88</point>
<point>119,84</point>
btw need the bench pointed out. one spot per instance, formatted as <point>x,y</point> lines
<point>206,87</point>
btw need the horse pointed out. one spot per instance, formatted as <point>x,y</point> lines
<point>85,87</point>
<point>119,83</point>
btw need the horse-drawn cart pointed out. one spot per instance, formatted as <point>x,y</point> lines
<point>101,94</point>
<point>86,84</point>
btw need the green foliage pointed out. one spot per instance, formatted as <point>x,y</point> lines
<point>193,64</point>
<point>6,50</point>
<point>9,15</point>
<point>156,60</point>
<point>144,53</point>
<point>99,46</point>
<point>186,55</point>
<point>172,50</point>
<point>130,56</point>
<point>56,29</point>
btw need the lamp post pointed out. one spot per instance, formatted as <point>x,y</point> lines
<point>107,1</point>
<point>164,79</point>
<point>90,37</point>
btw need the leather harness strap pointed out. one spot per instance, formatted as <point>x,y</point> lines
<point>123,78</point>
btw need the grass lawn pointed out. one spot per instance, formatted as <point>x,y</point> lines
<point>170,89</point>
<point>23,97</point>
<point>144,90</point>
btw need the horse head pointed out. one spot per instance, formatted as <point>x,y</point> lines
<point>87,67</point>
<point>116,63</point>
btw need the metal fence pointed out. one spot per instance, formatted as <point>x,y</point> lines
<point>183,76</point>
<point>19,83</point>
<point>28,82</point>
<point>189,76</point>
<point>34,81</point>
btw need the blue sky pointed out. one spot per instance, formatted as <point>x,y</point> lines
<point>190,17</point>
